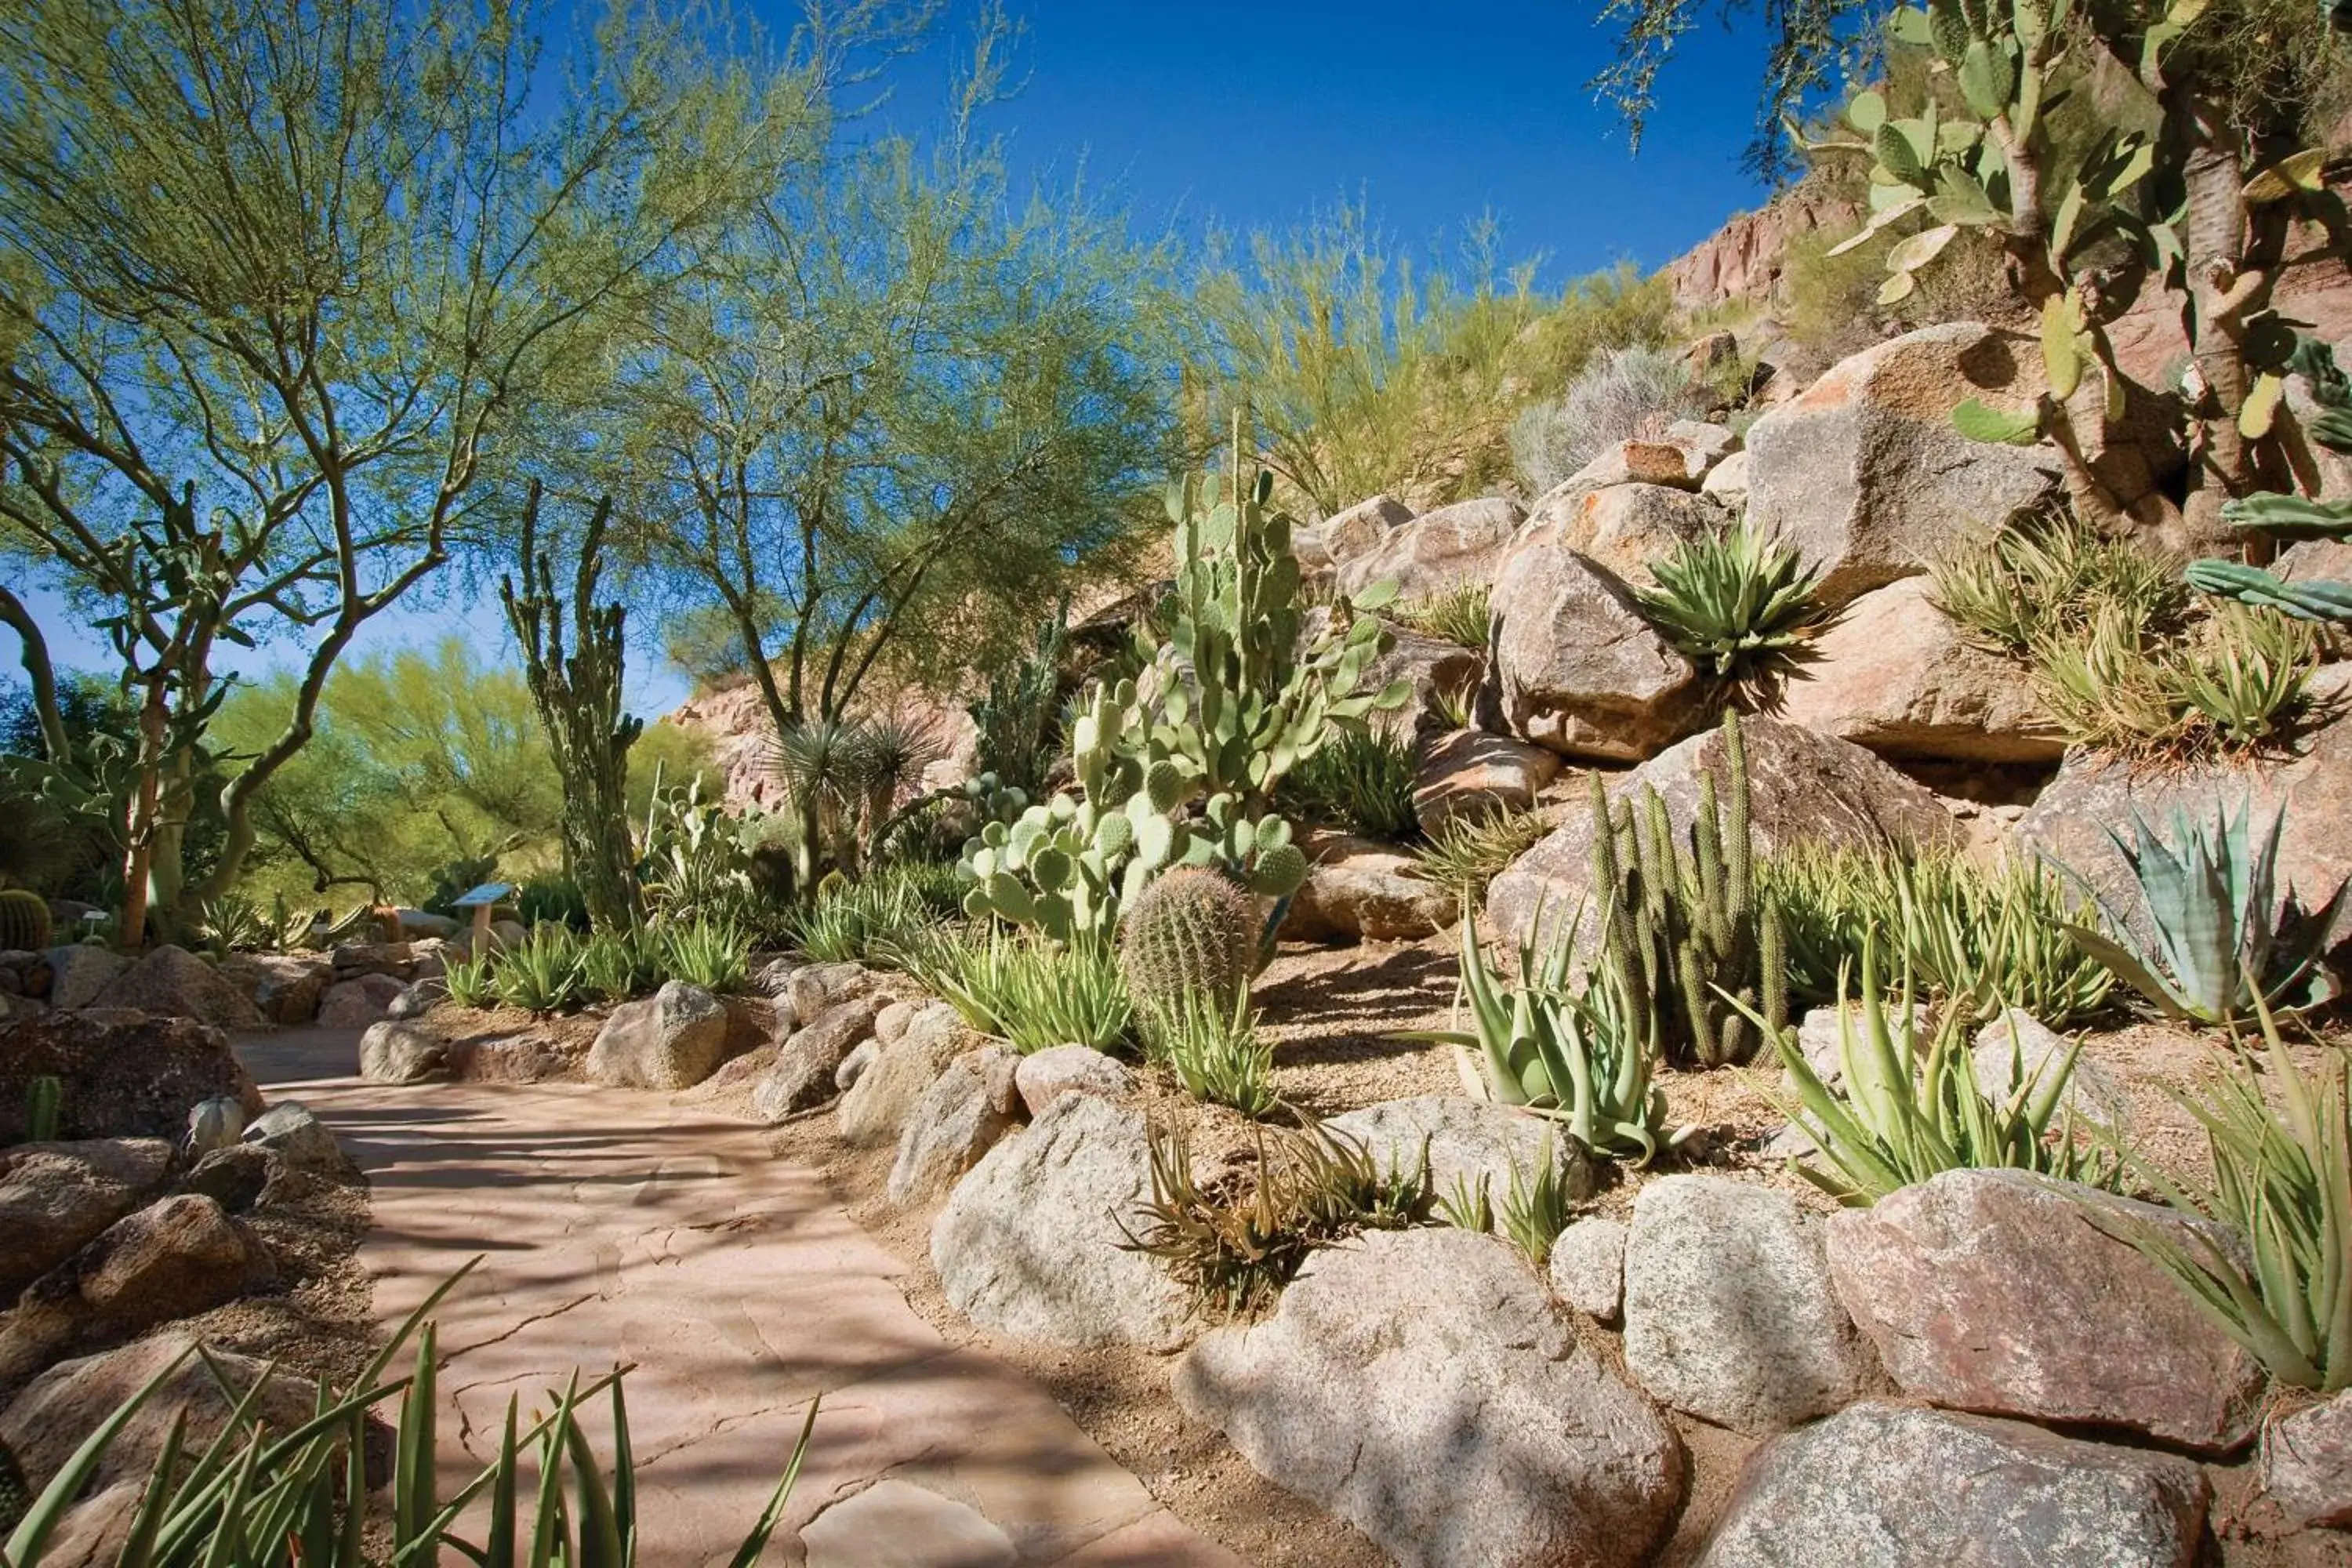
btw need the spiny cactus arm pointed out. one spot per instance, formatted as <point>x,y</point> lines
<point>2289,517</point>
<point>2321,601</point>
<point>1739,838</point>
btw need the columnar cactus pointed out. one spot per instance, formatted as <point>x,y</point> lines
<point>2293,517</point>
<point>43,1109</point>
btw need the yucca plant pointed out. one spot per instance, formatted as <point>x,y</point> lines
<point>251,1499</point>
<point>540,973</point>
<point>1739,606</point>
<point>1577,1053</point>
<point>1458,615</point>
<point>2216,935</point>
<point>707,950</point>
<point>1029,992</point>
<point>2282,1178</point>
<point>470,981</point>
<point>1468,853</point>
<point>1901,1113</point>
<point>1211,1044</point>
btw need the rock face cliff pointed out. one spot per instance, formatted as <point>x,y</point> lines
<point>1741,262</point>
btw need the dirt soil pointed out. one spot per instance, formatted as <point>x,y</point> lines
<point>1334,1016</point>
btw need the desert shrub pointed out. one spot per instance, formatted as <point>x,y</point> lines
<point>1981,939</point>
<point>1830,304</point>
<point>1361,782</point>
<point>1458,615</point>
<point>1470,852</point>
<point>1620,395</point>
<point>1211,1044</point>
<point>708,950</point>
<point>1236,1241</point>
<point>1030,992</point>
<point>1739,606</point>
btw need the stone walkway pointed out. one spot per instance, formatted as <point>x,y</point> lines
<point>617,1228</point>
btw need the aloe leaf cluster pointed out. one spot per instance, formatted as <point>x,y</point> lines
<point>2217,938</point>
<point>1740,606</point>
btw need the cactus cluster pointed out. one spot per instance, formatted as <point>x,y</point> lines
<point>45,1100</point>
<point>1685,933</point>
<point>2293,517</point>
<point>1177,768</point>
<point>1192,933</point>
<point>24,920</point>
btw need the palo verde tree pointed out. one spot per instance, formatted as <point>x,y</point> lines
<point>2209,108</point>
<point>273,281</point>
<point>578,695</point>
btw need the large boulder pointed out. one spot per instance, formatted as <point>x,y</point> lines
<point>808,1061</point>
<point>1464,1144</point>
<point>54,1197</point>
<point>1045,1077</point>
<point>1625,527</point>
<point>1443,677</point>
<point>80,972</point>
<point>1358,890</point>
<point>175,1258</point>
<point>1438,550</point>
<point>1359,529</point>
<point>1576,668</point>
<point>171,981</point>
<point>1996,1292</point>
<point>1895,675</point>
<point>1470,775</point>
<point>1728,1310</point>
<point>1421,1386</point>
<point>1864,471</point>
<point>1876,1486</point>
<point>959,1118</point>
<point>1803,788</point>
<point>1030,1242</point>
<point>123,1074</point>
<point>352,960</point>
<point>672,1039</point>
<point>288,987</point>
<point>2306,1463</point>
<point>356,1003</point>
<point>398,1052</point>
<point>875,1107</point>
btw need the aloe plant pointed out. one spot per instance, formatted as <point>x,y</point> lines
<point>2218,941</point>
<point>1900,1114</point>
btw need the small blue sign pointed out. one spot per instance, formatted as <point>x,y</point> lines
<point>487,893</point>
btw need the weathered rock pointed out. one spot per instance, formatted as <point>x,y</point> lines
<point>419,997</point>
<point>892,1020</point>
<point>2018,1039</point>
<point>962,1116</point>
<point>125,1075</point>
<point>854,1064</point>
<point>57,1410</point>
<point>1994,1291</point>
<point>1703,443</point>
<point>2306,1464</point>
<point>393,1052</point>
<point>356,1003</point>
<point>171,981</point>
<point>1727,483</point>
<point>1442,674</point>
<point>1043,1077</point>
<point>1625,528</point>
<point>1577,669</point>
<point>1465,1143</point>
<point>215,1123</point>
<point>528,1057</point>
<point>1880,1487</point>
<point>895,1522</point>
<point>1728,1310</point>
<point>1865,473</point>
<point>1029,1241</point>
<point>54,1197</point>
<point>818,988</point>
<point>875,1107</point>
<point>808,1062</point>
<point>671,1039</point>
<point>80,973</point>
<point>1359,890</point>
<point>1663,461</point>
<point>1359,529</point>
<point>355,959</point>
<point>237,1177</point>
<point>772,975</point>
<point>1587,1269</point>
<point>286,987</point>
<point>174,1257</point>
<point>425,924</point>
<point>1803,788</point>
<point>1895,675</point>
<point>1420,1385</point>
<point>1470,775</point>
<point>1437,551</point>
<point>290,1132</point>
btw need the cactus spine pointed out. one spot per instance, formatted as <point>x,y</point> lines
<point>1192,933</point>
<point>2293,517</point>
<point>1682,925</point>
<point>45,1100</point>
<point>24,921</point>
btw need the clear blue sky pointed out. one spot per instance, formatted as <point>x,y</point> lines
<point>1252,115</point>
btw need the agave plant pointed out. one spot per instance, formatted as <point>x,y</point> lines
<point>1739,606</point>
<point>1581,1054</point>
<point>2217,940</point>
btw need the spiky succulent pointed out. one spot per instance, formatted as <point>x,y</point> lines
<point>1738,604</point>
<point>1192,932</point>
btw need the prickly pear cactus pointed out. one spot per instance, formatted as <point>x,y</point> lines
<point>1191,933</point>
<point>2293,517</point>
<point>24,921</point>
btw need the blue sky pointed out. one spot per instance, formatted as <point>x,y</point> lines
<point>1253,115</point>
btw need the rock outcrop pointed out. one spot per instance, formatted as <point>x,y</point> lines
<point>1576,668</point>
<point>125,1075</point>
<point>171,981</point>
<point>1437,551</point>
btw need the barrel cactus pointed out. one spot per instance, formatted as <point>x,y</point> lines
<point>24,920</point>
<point>1191,933</point>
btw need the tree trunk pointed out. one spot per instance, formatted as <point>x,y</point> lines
<point>145,803</point>
<point>2223,463</point>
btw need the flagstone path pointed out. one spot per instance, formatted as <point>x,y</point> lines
<point>617,1228</point>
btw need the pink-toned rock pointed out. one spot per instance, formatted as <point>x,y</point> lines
<point>1895,675</point>
<point>2306,1464</point>
<point>1577,669</point>
<point>1043,1077</point>
<point>1743,259</point>
<point>1356,531</point>
<point>1444,549</point>
<point>1359,890</point>
<point>1995,1291</point>
<point>1470,775</point>
<point>357,1003</point>
<point>1627,526</point>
